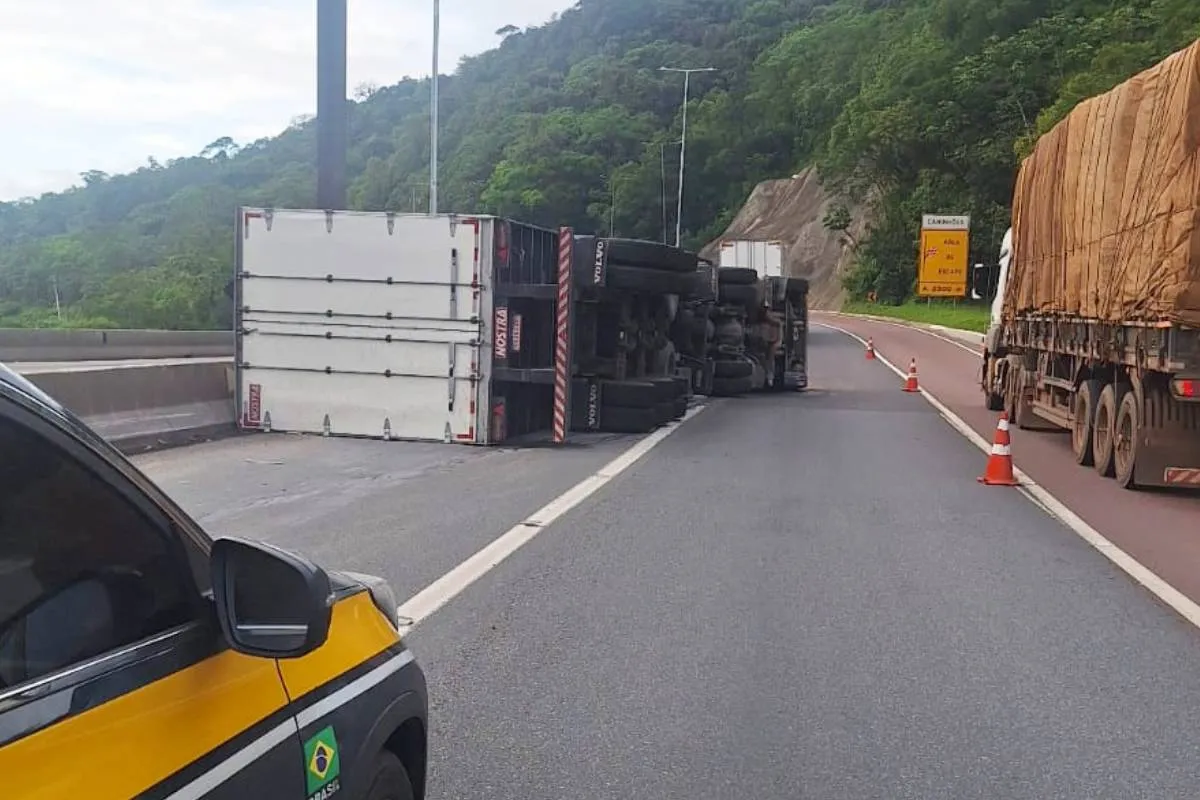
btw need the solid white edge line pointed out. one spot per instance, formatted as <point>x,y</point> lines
<point>1042,498</point>
<point>927,331</point>
<point>421,605</point>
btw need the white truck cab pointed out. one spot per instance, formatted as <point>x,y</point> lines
<point>993,334</point>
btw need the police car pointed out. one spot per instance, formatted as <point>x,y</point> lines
<point>141,658</point>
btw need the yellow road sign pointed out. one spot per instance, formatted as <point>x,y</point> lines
<point>942,268</point>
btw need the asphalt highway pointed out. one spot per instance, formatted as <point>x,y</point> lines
<point>792,596</point>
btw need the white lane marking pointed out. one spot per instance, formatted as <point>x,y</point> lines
<point>206,782</point>
<point>975,351</point>
<point>1042,498</point>
<point>446,588</point>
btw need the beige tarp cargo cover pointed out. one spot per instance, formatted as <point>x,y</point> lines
<point>1106,211</point>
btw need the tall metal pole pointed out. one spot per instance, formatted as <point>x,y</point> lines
<point>682,158</point>
<point>433,113</point>
<point>662,178</point>
<point>687,74</point>
<point>331,104</point>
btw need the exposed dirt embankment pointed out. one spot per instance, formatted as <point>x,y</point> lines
<point>791,210</point>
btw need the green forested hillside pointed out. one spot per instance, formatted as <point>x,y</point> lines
<point>927,103</point>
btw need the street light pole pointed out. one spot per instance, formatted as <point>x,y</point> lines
<point>687,75</point>
<point>433,114</point>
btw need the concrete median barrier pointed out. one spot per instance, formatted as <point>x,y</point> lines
<point>143,406</point>
<point>18,345</point>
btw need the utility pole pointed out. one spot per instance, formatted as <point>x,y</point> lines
<point>331,104</point>
<point>433,113</point>
<point>687,74</point>
<point>662,184</point>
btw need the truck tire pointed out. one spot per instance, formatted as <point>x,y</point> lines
<point>729,331</point>
<point>648,281</point>
<point>732,368</point>
<point>651,255</point>
<point>628,394</point>
<point>1102,434</point>
<point>1087,396</point>
<point>1125,440</point>
<point>616,419</point>
<point>681,407</point>
<point>739,295</point>
<point>731,387</point>
<point>664,411</point>
<point>665,389</point>
<point>736,276</point>
<point>795,289</point>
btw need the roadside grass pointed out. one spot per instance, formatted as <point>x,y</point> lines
<point>964,316</point>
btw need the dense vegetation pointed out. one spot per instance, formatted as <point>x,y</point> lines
<point>924,105</point>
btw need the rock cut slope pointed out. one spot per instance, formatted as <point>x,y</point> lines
<point>791,210</point>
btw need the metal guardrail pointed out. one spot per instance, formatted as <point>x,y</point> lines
<point>23,345</point>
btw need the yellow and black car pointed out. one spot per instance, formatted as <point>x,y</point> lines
<point>140,658</point>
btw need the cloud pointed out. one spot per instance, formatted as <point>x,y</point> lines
<point>105,85</point>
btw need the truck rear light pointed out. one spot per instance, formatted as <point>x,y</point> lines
<point>1185,388</point>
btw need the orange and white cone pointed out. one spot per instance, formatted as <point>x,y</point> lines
<point>911,385</point>
<point>870,349</point>
<point>999,470</point>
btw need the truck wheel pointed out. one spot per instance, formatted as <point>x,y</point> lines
<point>1084,413</point>
<point>651,255</point>
<point>389,779</point>
<point>736,276</point>
<point>1125,440</point>
<point>739,295</point>
<point>733,368</point>
<point>648,281</point>
<point>1102,431</point>
<point>615,419</point>
<point>730,387</point>
<point>631,394</point>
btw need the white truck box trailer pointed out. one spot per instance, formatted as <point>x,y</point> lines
<point>364,324</point>
<point>765,258</point>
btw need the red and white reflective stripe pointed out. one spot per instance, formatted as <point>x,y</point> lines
<point>999,449</point>
<point>1002,425</point>
<point>1183,476</point>
<point>562,369</point>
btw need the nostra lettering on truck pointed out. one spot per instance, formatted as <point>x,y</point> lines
<point>600,263</point>
<point>501,334</point>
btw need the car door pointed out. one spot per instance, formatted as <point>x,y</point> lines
<point>115,681</point>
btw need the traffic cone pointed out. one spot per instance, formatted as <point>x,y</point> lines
<point>999,470</point>
<point>870,349</point>
<point>910,385</point>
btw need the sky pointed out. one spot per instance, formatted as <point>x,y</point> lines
<point>105,85</point>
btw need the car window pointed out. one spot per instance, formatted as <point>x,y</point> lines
<point>82,570</point>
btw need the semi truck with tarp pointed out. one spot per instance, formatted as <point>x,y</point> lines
<point>1095,323</point>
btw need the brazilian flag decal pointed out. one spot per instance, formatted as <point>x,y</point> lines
<point>321,765</point>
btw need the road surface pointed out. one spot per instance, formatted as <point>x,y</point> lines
<point>801,596</point>
<point>1161,529</point>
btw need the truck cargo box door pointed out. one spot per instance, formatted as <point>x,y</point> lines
<point>359,324</point>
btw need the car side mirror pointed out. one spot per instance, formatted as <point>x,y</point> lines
<point>984,278</point>
<point>270,602</point>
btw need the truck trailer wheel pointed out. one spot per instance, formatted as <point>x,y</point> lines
<point>652,255</point>
<point>1087,396</point>
<point>615,419</point>
<point>1125,440</point>
<point>736,276</point>
<point>739,295</point>
<point>1103,426</point>
<point>731,387</point>
<point>733,368</point>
